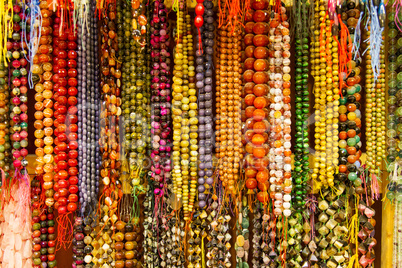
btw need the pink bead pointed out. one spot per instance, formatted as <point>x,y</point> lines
<point>16,82</point>
<point>17,163</point>
<point>16,154</point>
<point>16,136</point>
<point>23,107</point>
<point>24,152</point>
<point>16,101</point>
<point>16,64</point>
<point>24,117</point>
<point>23,89</point>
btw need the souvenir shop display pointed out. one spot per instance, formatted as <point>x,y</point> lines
<point>207,133</point>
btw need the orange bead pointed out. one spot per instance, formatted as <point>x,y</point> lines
<point>260,102</point>
<point>258,114</point>
<point>342,135</point>
<point>249,99</point>
<point>259,127</point>
<point>262,176</point>
<point>258,139</point>
<point>259,152</point>
<point>260,90</point>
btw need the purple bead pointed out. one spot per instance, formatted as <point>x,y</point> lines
<point>201,188</point>
<point>202,203</point>
<point>209,180</point>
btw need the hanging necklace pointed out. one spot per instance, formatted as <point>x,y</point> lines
<point>109,136</point>
<point>184,109</point>
<point>256,92</point>
<point>160,101</point>
<point>279,83</point>
<point>65,127</point>
<point>5,146</point>
<point>301,169</point>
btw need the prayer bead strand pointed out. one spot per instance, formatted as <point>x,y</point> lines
<point>42,70</point>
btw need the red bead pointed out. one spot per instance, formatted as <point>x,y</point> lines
<point>72,82</point>
<point>72,136</point>
<point>62,45</point>
<point>72,54</point>
<point>72,46</point>
<point>73,118</point>
<point>73,198</point>
<point>62,63</point>
<point>62,210</point>
<point>72,162</point>
<point>62,201</point>
<point>62,72</point>
<point>62,155</point>
<point>62,109</point>
<point>62,54</point>
<point>73,180</point>
<point>73,128</point>
<point>72,110</point>
<point>73,153</point>
<point>72,63</point>
<point>199,9</point>
<point>72,72</point>
<point>62,137</point>
<point>72,101</point>
<point>72,91</point>
<point>73,145</point>
<point>61,100</point>
<point>198,21</point>
<point>62,165</point>
<point>73,189</point>
<point>73,171</point>
<point>63,184</point>
<point>72,207</point>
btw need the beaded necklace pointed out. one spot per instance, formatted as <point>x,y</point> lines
<point>109,136</point>
<point>65,127</point>
<point>204,74</point>
<point>161,90</point>
<point>256,256</point>
<point>42,74</point>
<point>5,146</point>
<point>393,141</point>
<point>279,84</point>
<point>228,111</point>
<point>18,93</point>
<point>394,104</point>
<point>301,169</point>
<point>184,109</point>
<point>88,129</point>
<point>254,93</point>
<point>375,113</point>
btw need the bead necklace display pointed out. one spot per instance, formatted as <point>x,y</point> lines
<point>109,136</point>
<point>5,144</point>
<point>151,258</point>
<point>42,72</point>
<point>375,113</point>
<point>279,84</point>
<point>88,126</point>
<point>65,123</point>
<point>256,256</point>
<point>255,101</point>
<point>184,109</point>
<point>78,242</point>
<point>204,75</point>
<point>301,174</point>
<point>322,42</point>
<point>161,90</point>
<point>394,104</point>
<point>242,245</point>
<point>19,88</point>
<point>350,124</point>
<point>229,110</point>
<point>394,98</point>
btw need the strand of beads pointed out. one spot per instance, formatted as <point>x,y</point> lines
<point>394,75</point>
<point>150,243</point>
<point>161,84</point>
<point>319,74</point>
<point>230,107</point>
<point>180,67</point>
<point>279,84</point>
<point>256,257</point>
<point>78,242</point>
<point>204,74</point>
<point>37,206</point>
<point>184,109</point>
<point>301,169</point>
<point>65,92</point>
<point>5,146</point>
<point>19,99</point>
<point>375,113</point>
<point>43,77</point>
<point>367,242</point>
<point>109,136</point>
<point>255,99</point>
<point>242,245</point>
